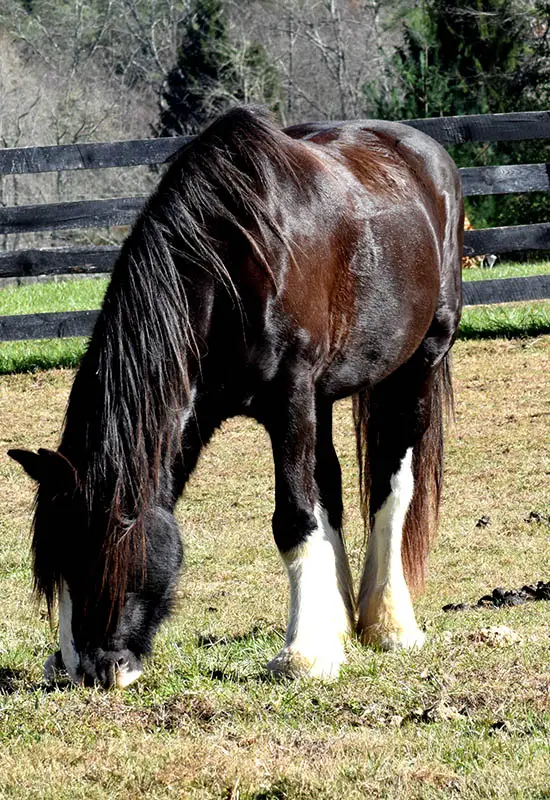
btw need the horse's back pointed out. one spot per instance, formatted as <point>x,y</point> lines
<point>397,141</point>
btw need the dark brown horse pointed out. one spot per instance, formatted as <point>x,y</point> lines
<point>271,274</point>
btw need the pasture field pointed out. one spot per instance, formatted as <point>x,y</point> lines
<point>467,717</point>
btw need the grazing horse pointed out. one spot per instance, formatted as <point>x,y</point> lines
<point>270,274</point>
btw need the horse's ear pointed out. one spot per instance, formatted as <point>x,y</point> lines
<point>44,466</point>
<point>31,462</point>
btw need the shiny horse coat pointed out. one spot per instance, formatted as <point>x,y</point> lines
<point>271,274</point>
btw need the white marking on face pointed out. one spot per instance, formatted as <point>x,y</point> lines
<point>386,615</point>
<point>126,676</point>
<point>71,659</point>
<point>320,604</point>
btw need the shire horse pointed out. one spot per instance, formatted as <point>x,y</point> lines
<point>270,274</point>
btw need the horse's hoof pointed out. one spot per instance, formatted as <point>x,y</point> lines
<point>291,663</point>
<point>386,640</point>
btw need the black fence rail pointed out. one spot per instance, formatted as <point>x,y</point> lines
<point>122,211</point>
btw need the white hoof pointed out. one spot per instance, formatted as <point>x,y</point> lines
<point>292,663</point>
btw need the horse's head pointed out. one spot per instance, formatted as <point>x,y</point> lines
<point>104,630</point>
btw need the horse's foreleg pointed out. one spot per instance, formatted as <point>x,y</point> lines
<point>311,548</point>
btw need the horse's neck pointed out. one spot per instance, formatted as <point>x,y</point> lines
<point>99,421</point>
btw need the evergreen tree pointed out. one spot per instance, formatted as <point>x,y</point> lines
<point>461,57</point>
<point>211,73</point>
<point>474,57</point>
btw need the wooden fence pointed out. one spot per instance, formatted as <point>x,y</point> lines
<point>123,210</point>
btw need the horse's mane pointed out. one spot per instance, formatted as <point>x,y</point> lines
<point>124,410</point>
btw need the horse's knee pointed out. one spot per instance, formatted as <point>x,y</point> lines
<point>292,526</point>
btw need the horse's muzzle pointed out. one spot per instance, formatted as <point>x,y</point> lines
<point>105,668</point>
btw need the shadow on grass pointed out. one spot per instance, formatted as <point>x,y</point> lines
<point>213,640</point>
<point>258,631</point>
<point>17,681</point>
<point>469,332</point>
<point>11,680</point>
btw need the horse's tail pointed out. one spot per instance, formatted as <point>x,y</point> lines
<point>421,521</point>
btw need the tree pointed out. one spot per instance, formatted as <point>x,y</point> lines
<point>464,57</point>
<point>474,57</point>
<point>212,73</point>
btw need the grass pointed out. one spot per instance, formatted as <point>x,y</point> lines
<point>508,320</point>
<point>506,270</point>
<point>28,356</point>
<point>458,719</point>
<point>71,295</point>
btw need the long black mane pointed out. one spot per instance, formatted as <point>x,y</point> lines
<point>122,421</point>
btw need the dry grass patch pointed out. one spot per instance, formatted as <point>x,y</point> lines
<point>462,718</point>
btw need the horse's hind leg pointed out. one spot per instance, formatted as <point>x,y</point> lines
<point>307,535</point>
<point>403,464</point>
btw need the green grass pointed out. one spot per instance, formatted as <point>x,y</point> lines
<point>34,298</point>
<point>29,356</point>
<point>511,270</point>
<point>510,320</point>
